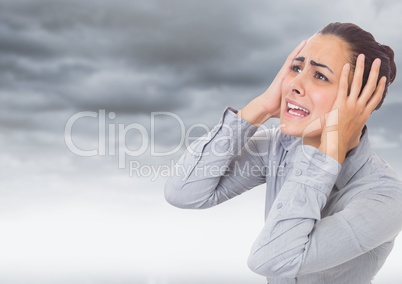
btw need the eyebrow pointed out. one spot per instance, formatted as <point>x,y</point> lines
<point>312,62</point>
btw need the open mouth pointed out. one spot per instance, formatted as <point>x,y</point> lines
<point>297,110</point>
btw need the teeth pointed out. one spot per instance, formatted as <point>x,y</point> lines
<point>292,106</point>
<point>295,113</point>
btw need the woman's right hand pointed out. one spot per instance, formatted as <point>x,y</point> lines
<point>271,98</point>
<point>268,104</point>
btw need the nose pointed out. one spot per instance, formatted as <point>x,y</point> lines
<point>296,91</point>
<point>297,85</point>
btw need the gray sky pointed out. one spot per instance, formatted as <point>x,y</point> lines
<point>132,58</point>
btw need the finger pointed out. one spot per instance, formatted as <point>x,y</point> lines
<point>376,98</point>
<point>293,54</point>
<point>296,51</point>
<point>286,66</point>
<point>357,77</point>
<point>344,82</point>
<point>372,80</point>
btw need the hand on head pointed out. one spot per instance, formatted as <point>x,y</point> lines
<point>352,109</point>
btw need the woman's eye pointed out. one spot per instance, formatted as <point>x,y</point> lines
<point>320,76</point>
<point>296,68</point>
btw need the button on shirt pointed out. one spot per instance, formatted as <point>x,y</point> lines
<point>324,223</point>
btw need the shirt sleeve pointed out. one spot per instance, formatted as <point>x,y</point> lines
<point>212,168</point>
<point>296,241</point>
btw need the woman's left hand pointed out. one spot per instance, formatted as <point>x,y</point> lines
<point>351,110</point>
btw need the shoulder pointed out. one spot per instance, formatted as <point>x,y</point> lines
<point>378,178</point>
<point>383,176</point>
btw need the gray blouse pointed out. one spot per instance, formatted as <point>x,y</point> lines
<point>324,223</point>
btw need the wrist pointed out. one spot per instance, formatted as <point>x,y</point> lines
<point>334,151</point>
<point>254,112</point>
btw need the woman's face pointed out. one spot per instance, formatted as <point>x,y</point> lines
<point>310,88</point>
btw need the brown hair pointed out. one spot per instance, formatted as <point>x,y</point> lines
<point>361,41</point>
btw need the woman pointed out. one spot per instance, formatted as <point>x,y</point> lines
<point>333,208</point>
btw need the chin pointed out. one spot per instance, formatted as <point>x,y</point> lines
<point>291,132</point>
<point>291,129</point>
<point>301,127</point>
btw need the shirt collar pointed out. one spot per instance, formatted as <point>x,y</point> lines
<point>287,141</point>
<point>355,159</point>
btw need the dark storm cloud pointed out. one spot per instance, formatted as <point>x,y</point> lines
<point>128,57</point>
<point>74,50</point>
<point>134,57</point>
<point>62,48</point>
